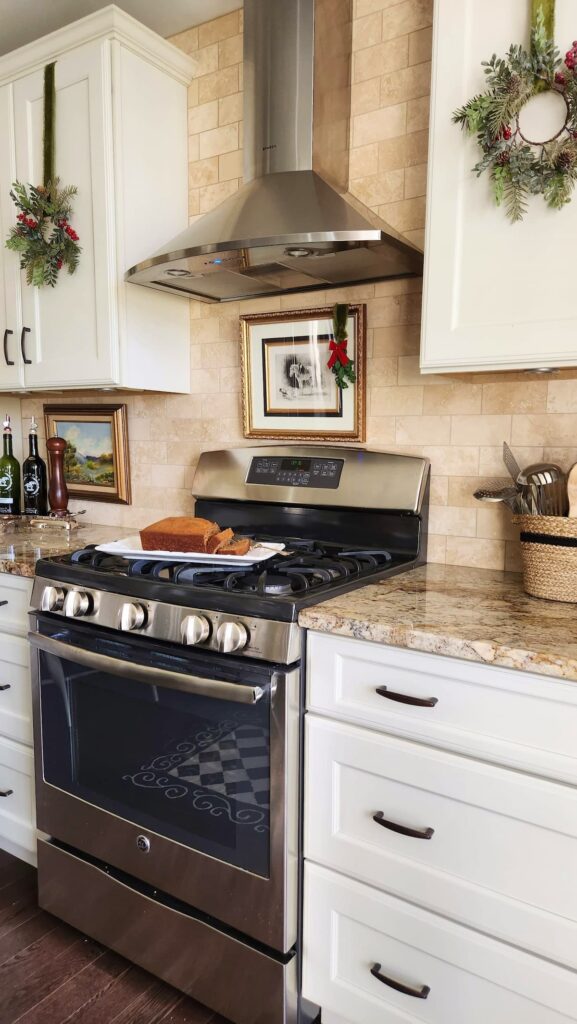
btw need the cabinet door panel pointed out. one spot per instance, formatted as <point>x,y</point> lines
<point>11,376</point>
<point>497,295</point>
<point>72,325</point>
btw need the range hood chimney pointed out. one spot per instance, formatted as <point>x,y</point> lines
<point>289,227</point>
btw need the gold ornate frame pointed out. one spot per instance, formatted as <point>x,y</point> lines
<point>116,416</point>
<point>358,313</point>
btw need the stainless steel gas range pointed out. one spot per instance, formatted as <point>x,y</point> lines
<point>168,703</point>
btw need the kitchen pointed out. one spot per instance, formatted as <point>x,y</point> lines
<point>437,700</point>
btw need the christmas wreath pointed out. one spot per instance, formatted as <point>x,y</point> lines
<point>520,167</point>
<point>43,236</point>
<point>339,362</point>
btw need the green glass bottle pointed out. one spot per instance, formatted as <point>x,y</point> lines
<point>34,477</point>
<point>9,476</point>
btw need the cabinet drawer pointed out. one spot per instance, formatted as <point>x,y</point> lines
<point>16,591</point>
<point>503,849</point>
<point>350,928</point>
<point>17,810</point>
<point>514,718</point>
<point>15,689</point>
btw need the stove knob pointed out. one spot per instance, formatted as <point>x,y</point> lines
<point>131,616</point>
<point>77,603</point>
<point>52,599</point>
<point>231,636</point>
<point>194,629</point>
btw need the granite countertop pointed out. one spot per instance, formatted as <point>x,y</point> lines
<point>476,614</point>
<point>21,548</point>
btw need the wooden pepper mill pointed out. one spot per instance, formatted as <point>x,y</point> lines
<point>58,491</point>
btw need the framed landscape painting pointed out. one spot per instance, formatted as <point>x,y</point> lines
<point>96,465</point>
<point>288,389</point>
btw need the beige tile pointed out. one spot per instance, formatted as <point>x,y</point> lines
<point>481,430</point>
<point>420,45</point>
<point>397,309</point>
<point>408,215</point>
<point>423,429</point>
<point>162,474</point>
<point>379,188</point>
<point>187,41</point>
<point>365,96</point>
<point>436,549</point>
<point>192,93</point>
<point>513,560</point>
<point>379,124</point>
<point>415,181</point>
<point>367,31</point>
<point>230,165</point>
<point>562,396</point>
<point>206,60</point>
<point>147,405</point>
<point>362,161</point>
<point>381,430</point>
<point>230,108</point>
<point>394,401</point>
<point>222,353</point>
<point>410,373</point>
<point>418,114</point>
<point>407,17</point>
<point>565,457</point>
<point>219,83</point>
<point>439,490</point>
<point>219,28</point>
<point>491,459</point>
<point>226,430</point>
<point>530,396</point>
<point>203,330</point>
<point>186,407</point>
<point>404,151</point>
<point>229,329</point>
<point>378,60</point>
<point>406,84</point>
<point>147,453</point>
<point>496,522</point>
<point>175,428</point>
<point>202,118</point>
<point>476,551</point>
<point>453,397</point>
<point>229,378</point>
<point>382,371</point>
<point>182,453</point>
<point>230,51</point>
<point>193,148</point>
<point>462,488</point>
<point>399,339</point>
<point>218,141</point>
<point>417,237</point>
<point>553,429</point>
<point>203,172</point>
<point>204,381</point>
<point>365,7</point>
<point>452,460</point>
<point>225,406</point>
<point>213,195</point>
<point>452,522</point>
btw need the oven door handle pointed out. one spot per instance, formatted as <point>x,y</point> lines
<point>217,688</point>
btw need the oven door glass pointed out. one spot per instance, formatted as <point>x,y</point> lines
<point>191,766</point>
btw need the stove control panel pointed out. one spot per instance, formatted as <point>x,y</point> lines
<point>295,472</point>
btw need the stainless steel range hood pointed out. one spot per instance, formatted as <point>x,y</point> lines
<point>289,227</point>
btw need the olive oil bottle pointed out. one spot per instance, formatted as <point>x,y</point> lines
<point>9,475</point>
<point>34,477</point>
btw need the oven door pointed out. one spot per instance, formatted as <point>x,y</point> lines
<point>176,766</point>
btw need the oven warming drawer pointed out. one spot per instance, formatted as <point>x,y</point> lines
<point>227,975</point>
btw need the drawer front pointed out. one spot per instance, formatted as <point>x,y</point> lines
<point>513,718</point>
<point>17,809</point>
<point>16,592</point>
<point>351,929</point>
<point>15,689</point>
<point>495,833</point>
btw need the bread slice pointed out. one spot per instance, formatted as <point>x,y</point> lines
<point>178,533</point>
<point>218,541</point>
<point>237,546</point>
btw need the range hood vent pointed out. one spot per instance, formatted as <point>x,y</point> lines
<point>289,227</point>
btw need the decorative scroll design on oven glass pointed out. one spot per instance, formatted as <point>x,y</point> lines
<point>216,805</point>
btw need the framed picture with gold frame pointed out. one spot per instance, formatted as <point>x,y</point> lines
<point>96,464</point>
<point>288,391</point>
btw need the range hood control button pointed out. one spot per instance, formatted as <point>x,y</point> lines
<point>131,616</point>
<point>194,629</point>
<point>77,603</point>
<point>52,599</point>
<point>231,636</point>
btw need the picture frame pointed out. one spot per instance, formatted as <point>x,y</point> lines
<point>288,391</point>
<point>98,469</point>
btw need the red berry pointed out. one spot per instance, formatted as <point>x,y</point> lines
<point>560,78</point>
<point>59,264</point>
<point>507,133</point>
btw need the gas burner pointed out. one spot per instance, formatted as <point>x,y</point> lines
<point>267,583</point>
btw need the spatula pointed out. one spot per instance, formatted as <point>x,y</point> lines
<point>572,491</point>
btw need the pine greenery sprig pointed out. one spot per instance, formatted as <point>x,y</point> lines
<point>344,372</point>
<point>43,237</point>
<point>519,169</point>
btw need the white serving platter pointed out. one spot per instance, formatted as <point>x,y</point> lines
<point>130,547</point>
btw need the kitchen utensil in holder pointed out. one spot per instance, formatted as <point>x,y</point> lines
<point>549,554</point>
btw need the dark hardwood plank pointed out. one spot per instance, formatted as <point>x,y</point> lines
<point>30,976</point>
<point>12,869</point>
<point>116,999</point>
<point>18,902</point>
<point>84,987</point>
<point>190,1012</point>
<point>151,1006</point>
<point>18,939</point>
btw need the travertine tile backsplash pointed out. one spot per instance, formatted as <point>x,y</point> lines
<point>459,422</point>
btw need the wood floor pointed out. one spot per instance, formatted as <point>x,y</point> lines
<point>51,974</point>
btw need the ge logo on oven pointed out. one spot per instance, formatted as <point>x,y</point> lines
<point>143,844</point>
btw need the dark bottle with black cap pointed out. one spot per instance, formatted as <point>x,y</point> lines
<point>34,477</point>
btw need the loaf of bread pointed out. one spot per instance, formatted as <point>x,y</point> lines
<point>179,533</point>
<point>218,541</point>
<point>236,546</point>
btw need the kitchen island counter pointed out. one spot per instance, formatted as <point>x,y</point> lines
<point>474,614</point>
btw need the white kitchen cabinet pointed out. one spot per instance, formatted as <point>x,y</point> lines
<point>496,295</point>
<point>121,138</point>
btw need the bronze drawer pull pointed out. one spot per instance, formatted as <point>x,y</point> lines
<point>9,362</point>
<point>6,792</point>
<point>414,833</point>
<point>405,698</point>
<point>4,686</point>
<point>25,331</point>
<point>417,993</point>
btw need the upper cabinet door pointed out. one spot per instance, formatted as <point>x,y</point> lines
<point>497,295</point>
<point>11,366</point>
<point>67,332</point>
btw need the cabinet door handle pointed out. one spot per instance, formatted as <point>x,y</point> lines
<point>4,686</point>
<point>6,792</point>
<point>414,833</point>
<point>9,362</point>
<point>25,331</point>
<point>2,603</point>
<point>417,993</point>
<point>405,698</point>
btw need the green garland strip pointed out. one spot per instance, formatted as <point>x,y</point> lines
<point>542,19</point>
<point>49,112</point>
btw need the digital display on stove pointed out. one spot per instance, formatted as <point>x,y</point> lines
<point>280,472</point>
